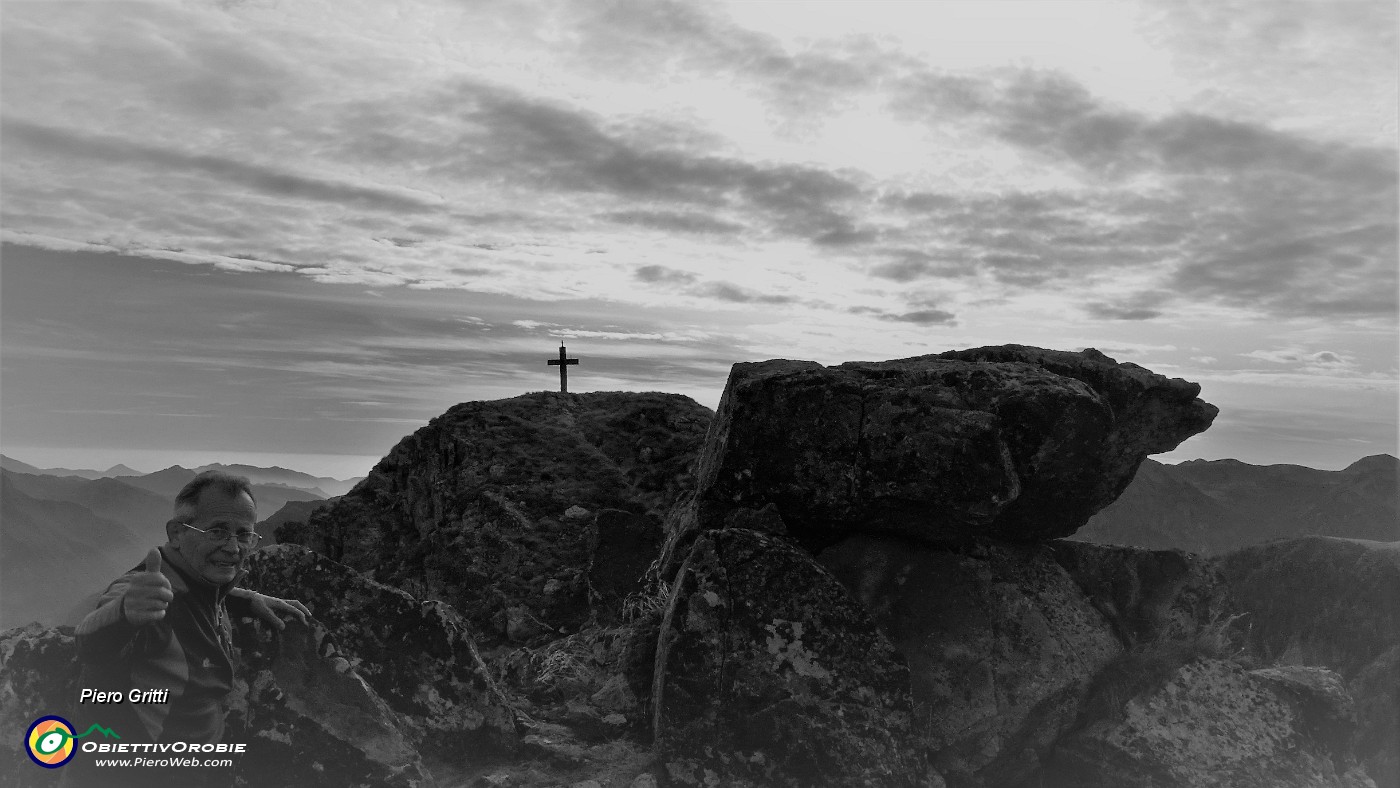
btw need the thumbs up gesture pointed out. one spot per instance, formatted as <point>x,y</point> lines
<point>148,594</point>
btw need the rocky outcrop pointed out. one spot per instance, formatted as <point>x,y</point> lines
<point>1332,602</point>
<point>1216,725</point>
<point>624,547</point>
<point>1002,647</point>
<point>37,678</point>
<point>306,719</point>
<point>488,508</point>
<point>1009,443</point>
<point>1146,595</point>
<point>563,713</point>
<point>419,656</point>
<point>769,674</point>
<point>861,589</point>
<point>311,720</point>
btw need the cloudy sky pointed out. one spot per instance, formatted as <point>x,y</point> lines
<point>292,232</point>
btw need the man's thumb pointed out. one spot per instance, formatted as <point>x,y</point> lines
<point>153,560</point>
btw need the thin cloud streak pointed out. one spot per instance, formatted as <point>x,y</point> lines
<point>691,184</point>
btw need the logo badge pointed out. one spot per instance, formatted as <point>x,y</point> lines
<point>49,742</point>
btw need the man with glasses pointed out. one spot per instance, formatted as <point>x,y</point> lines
<point>163,631</point>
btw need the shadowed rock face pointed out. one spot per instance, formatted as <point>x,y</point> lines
<point>489,507</point>
<point>769,674</point>
<point>310,720</point>
<point>1145,595</point>
<point>624,546</point>
<point>1010,443</point>
<point>418,655</point>
<point>1002,646</point>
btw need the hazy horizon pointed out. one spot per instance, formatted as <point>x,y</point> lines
<point>340,467</point>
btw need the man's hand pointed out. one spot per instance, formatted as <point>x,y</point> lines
<point>271,609</point>
<point>148,594</point>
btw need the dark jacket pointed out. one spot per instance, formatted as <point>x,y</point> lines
<point>189,653</point>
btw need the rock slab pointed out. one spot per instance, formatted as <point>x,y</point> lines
<point>1266,729</point>
<point>769,674</point>
<point>418,655</point>
<point>1002,647</point>
<point>1011,443</point>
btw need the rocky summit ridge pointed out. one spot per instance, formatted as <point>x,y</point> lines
<point>1010,443</point>
<point>847,576</point>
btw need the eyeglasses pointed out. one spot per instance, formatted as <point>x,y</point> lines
<point>244,538</point>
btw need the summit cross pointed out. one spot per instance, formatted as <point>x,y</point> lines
<point>563,363</point>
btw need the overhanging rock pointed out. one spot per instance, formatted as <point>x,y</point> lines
<point>1012,443</point>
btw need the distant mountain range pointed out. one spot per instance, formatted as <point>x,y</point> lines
<point>1214,506</point>
<point>270,497</point>
<point>11,464</point>
<point>64,533</point>
<point>324,486</point>
<point>54,551</point>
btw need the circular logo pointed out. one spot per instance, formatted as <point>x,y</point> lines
<point>50,742</point>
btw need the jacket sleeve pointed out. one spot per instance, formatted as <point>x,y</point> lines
<point>105,633</point>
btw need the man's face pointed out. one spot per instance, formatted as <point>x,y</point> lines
<point>217,562</point>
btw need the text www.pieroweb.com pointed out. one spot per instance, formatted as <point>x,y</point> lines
<point>159,762</point>
<point>147,761</point>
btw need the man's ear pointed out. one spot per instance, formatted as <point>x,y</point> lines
<point>172,530</point>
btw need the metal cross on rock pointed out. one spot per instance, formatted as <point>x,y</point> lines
<point>563,363</point>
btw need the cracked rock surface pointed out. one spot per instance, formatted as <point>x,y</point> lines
<point>1011,443</point>
<point>769,674</point>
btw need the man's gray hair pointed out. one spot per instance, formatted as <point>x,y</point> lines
<point>187,499</point>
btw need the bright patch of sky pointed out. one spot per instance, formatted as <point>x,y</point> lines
<point>383,208</point>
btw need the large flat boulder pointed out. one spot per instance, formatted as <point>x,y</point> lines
<point>1002,645</point>
<point>1011,443</point>
<point>768,673</point>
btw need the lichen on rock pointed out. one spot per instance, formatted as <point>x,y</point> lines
<point>1002,647</point>
<point>1216,725</point>
<point>768,673</point>
<point>1010,443</point>
<point>481,508</point>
